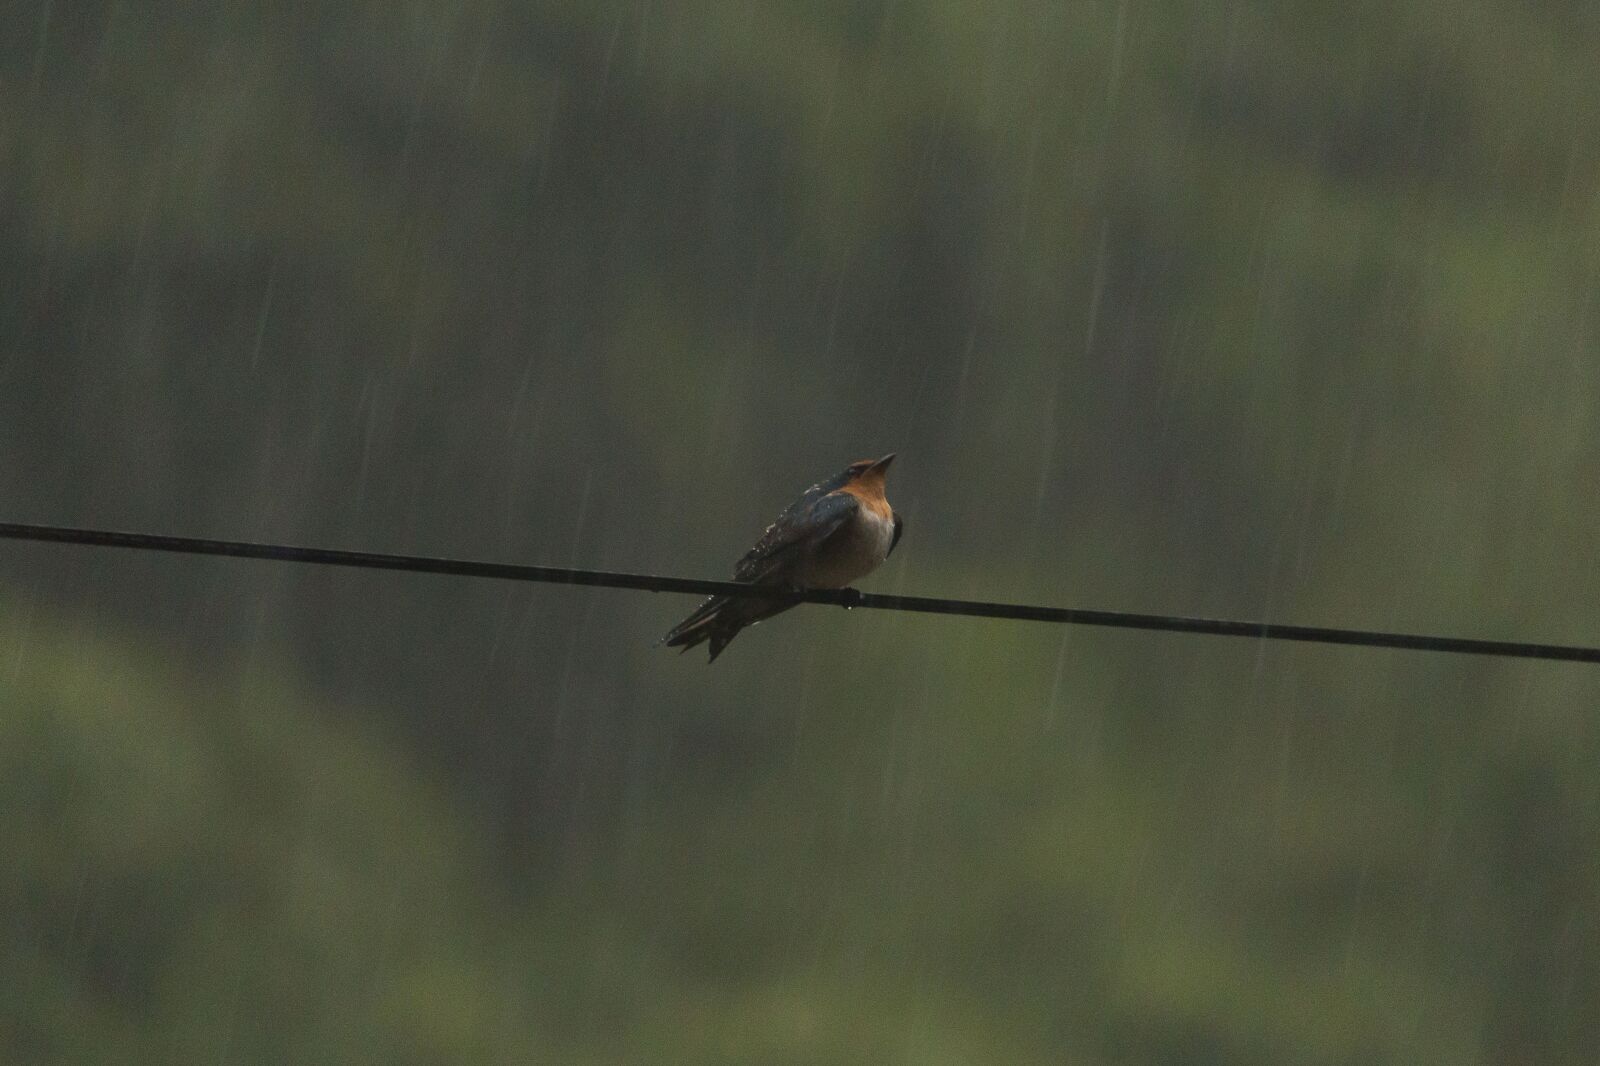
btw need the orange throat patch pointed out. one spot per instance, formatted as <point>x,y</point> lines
<point>869,490</point>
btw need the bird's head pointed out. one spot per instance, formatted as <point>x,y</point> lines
<point>868,473</point>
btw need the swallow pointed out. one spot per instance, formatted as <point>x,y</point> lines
<point>839,530</point>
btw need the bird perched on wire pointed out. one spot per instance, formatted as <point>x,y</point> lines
<point>837,531</point>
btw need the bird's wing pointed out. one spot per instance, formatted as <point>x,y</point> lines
<point>810,520</point>
<point>899,528</point>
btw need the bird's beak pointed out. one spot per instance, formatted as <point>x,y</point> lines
<point>881,465</point>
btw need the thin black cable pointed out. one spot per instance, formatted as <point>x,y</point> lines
<point>562,575</point>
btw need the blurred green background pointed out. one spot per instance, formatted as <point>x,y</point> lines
<point>1267,310</point>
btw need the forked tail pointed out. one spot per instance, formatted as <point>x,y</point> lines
<point>719,619</point>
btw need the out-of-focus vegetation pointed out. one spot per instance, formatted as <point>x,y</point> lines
<point>1283,310</point>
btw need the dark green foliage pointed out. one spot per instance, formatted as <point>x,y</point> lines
<point>1282,310</point>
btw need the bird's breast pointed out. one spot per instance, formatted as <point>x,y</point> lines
<point>854,551</point>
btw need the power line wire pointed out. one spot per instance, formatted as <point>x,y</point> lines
<point>562,575</point>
